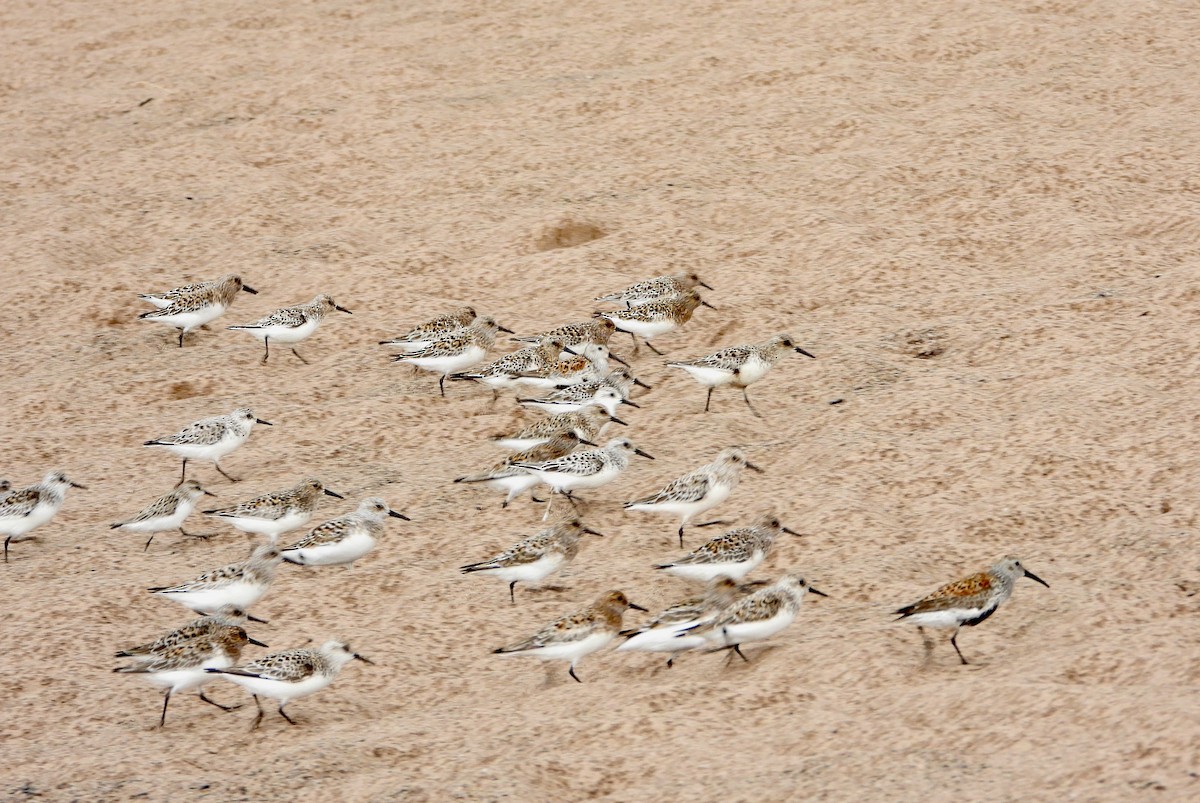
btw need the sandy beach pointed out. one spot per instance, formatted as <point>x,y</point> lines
<point>982,219</point>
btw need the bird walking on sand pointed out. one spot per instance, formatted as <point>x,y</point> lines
<point>967,602</point>
<point>341,541</point>
<point>656,289</point>
<point>662,633</point>
<point>577,634</point>
<point>167,513</point>
<point>291,324</point>
<point>514,481</point>
<point>656,318</point>
<point>739,366</point>
<point>455,352</point>
<point>534,558</point>
<point>285,676</point>
<point>756,617</point>
<point>734,554</point>
<point>698,491</point>
<point>190,307</point>
<point>210,438</point>
<point>276,513</point>
<point>25,509</point>
<point>423,334</point>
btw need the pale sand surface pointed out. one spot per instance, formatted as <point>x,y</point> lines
<point>981,217</point>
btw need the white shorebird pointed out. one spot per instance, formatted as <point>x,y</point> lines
<point>578,634</point>
<point>210,438</point>
<point>455,352</point>
<point>967,602</point>
<point>739,366</point>
<point>697,491</point>
<point>605,397</point>
<point>424,334</point>
<point>596,331</point>
<point>535,558</point>
<point>757,617</point>
<point>177,660</point>
<point>656,318</point>
<point>239,584</point>
<point>656,289</point>
<point>285,676</point>
<point>585,424</point>
<point>663,632</point>
<point>506,372</point>
<point>734,554</point>
<point>26,509</point>
<point>193,306</point>
<point>341,541</point>
<point>586,469</point>
<point>276,513</point>
<point>291,324</point>
<point>514,481</point>
<point>167,513</point>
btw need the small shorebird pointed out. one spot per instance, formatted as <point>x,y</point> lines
<point>739,366</point>
<point>291,324</point>
<point>506,371</point>
<point>662,633</point>
<point>167,513</point>
<point>656,317</point>
<point>758,616</point>
<point>239,584</point>
<point>341,541</point>
<point>655,289</point>
<point>734,554</point>
<point>194,305</point>
<point>505,476</point>
<point>455,352</point>
<point>284,676</point>
<point>534,558</point>
<point>596,332</point>
<point>698,491</point>
<point>211,438</point>
<point>590,468</point>
<point>23,510</point>
<point>586,424</point>
<point>578,634</point>
<point>276,513</point>
<point>424,334</point>
<point>967,602</point>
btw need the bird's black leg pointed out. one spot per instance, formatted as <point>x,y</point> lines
<point>571,671</point>
<point>633,337</point>
<point>512,597</point>
<point>442,386</point>
<point>650,346</point>
<point>738,649</point>
<point>6,540</point>
<point>954,643</point>
<point>708,400</point>
<point>180,338</point>
<point>218,705</point>
<point>162,721</point>
<point>748,404</point>
<point>285,716</point>
<point>183,473</point>
<point>223,474</point>
<point>681,536</point>
<point>186,534</point>
<point>148,540</point>
<point>267,353</point>
<point>298,357</point>
<point>257,719</point>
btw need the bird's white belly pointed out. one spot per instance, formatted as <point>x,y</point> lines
<point>572,650</point>
<point>348,550</point>
<point>18,526</point>
<point>241,595</point>
<point>269,527</point>
<point>211,451</point>
<point>752,370</point>
<point>529,572</point>
<point>709,376</point>
<point>286,334</point>
<point>449,364</point>
<point>281,690</point>
<point>160,524</point>
<point>951,618</point>
<point>752,631</point>
<point>664,639</point>
<point>645,329</point>
<point>187,321</point>
<point>703,572</point>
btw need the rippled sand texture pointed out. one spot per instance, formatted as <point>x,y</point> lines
<point>981,218</point>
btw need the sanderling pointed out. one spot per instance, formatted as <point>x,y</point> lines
<point>967,602</point>
<point>534,558</point>
<point>291,324</point>
<point>578,634</point>
<point>275,513</point>
<point>284,676</point>
<point>698,491</point>
<point>341,541</point>
<point>194,305</point>
<point>207,625</point>
<point>605,397</point>
<point>586,424</point>
<point>596,331</point>
<point>734,554</point>
<point>656,318</point>
<point>504,476</point>
<point>590,468</point>
<point>168,298</point>
<point>656,289</point>
<point>586,363</point>
<point>210,438</point>
<point>457,351</point>
<point>24,509</point>
<point>662,633</point>
<point>739,366</point>
<point>167,512</point>
<point>182,665</point>
<point>759,616</point>
<point>424,334</point>
<point>504,372</point>
<point>239,584</point>
<point>584,393</point>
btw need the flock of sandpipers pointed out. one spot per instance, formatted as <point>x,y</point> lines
<point>581,392</point>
